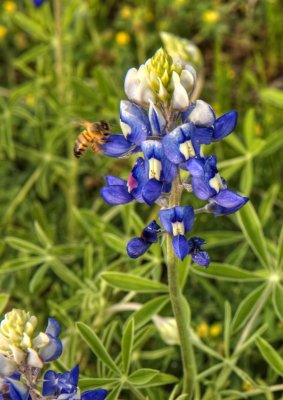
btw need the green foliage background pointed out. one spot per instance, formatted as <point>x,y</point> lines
<point>62,248</point>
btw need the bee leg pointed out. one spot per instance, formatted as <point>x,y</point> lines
<point>96,148</point>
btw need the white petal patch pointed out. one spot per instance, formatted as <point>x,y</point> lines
<point>154,169</point>
<point>216,183</point>
<point>126,129</point>
<point>178,228</point>
<point>34,359</point>
<point>202,114</point>
<point>187,149</point>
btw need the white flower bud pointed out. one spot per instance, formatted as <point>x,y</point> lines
<point>33,359</point>
<point>180,98</point>
<point>202,114</point>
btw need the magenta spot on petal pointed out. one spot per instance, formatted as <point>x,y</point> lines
<point>132,183</point>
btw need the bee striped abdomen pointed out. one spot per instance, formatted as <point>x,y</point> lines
<point>82,143</point>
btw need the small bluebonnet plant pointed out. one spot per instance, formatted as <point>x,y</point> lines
<point>23,356</point>
<point>161,122</point>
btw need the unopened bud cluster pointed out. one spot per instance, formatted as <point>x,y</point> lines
<point>161,81</point>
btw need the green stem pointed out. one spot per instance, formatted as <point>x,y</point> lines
<point>183,325</point>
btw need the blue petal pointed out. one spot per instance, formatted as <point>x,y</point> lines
<point>137,179</point>
<point>137,120</point>
<point>202,135</point>
<point>201,189</point>
<point>228,198</point>
<point>225,125</point>
<point>97,394</point>
<point>157,120</point>
<point>17,390</point>
<point>114,180</point>
<point>166,218</point>
<point>195,166</point>
<point>188,217</point>
<point>201,258</point>
<point>169,170</point>
<point>185,114</point>
<point>152,149</point>
<point>115,195</point>
<point>117,146</point>
<point>74,376</point>
<point>180,246</point>
<point>49,386</point>
<point>52,351</point>
<point>227,202</point>
<point>53,327</point>
<point>150,233</point>
<point>151,191</point>
<point>195,243</point>
<point>137,247</point>
<point>171,144</point>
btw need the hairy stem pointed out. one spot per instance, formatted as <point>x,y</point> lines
<point>187,352</point>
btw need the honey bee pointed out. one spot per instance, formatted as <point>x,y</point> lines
<point>95,134</point>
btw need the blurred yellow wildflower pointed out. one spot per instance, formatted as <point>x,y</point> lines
<point>3,31</point>
<point>215,329</point>
<point>30,100</point>
<point>9,6</point>
<point>202,330</point>
<point>122,38</point>
<point>210,17</point>
<point>126,12</point>
<point>247,387</point>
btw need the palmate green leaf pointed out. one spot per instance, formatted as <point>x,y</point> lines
<point>24,245</point>
<point>272,96</point>
<point>277,299</point>
<point>4,298</point>
<point>94,383</point>
<point>270,355</point>
<point>96,346</point>
<point>246,307</point>
<point>252,229</point>
<point>148,310</point>
<point>226,272</point>
<point>127,344</point>
<point>142,376</point>
<point>133,283</point>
